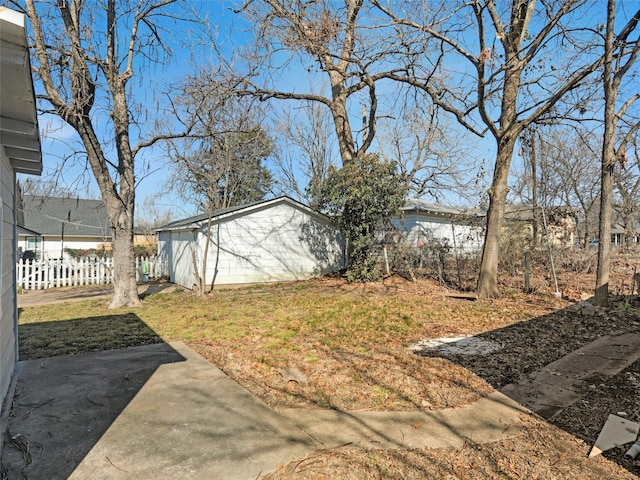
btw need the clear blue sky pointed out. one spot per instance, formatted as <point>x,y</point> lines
<point>58,139</point>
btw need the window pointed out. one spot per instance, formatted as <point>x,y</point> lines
<point>35,245</point>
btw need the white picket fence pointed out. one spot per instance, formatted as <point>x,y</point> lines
<point>42,274</point>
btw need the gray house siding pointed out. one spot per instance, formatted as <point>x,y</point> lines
<point>19,153</point>
<point>175,249</point>
<point>8,321</point>
<point>463,236</point>
<point>422,222</point>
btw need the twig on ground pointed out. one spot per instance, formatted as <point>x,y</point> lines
<point>33,407</point>
<point>116,466</point>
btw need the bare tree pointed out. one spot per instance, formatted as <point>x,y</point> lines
<point>498,71</point>
<point>305,149</point>
<point>531,182</point>
<point>45,188</point>
<point>626,181</point>
<point>151,214</point>
<point>620,55</point>
<point>220,163</point>
<point>85,57</point>
<point>560,170</point>
<point>434,157</point>
<point>339,41</point>
<point>576,165</point>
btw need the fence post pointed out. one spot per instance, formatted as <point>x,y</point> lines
<point>43,275</point>
<point>527,272</point>
<point>19,273</point>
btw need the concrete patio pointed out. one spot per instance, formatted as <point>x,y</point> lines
<point>163,412</point>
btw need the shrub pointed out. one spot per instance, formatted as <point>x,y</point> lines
<point>361,198</point>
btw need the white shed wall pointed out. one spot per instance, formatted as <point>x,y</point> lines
<point>461,235</point>
<point>175,249</point>
<point>8,319</point>
<point>276,243</point>
<point>279,243</point>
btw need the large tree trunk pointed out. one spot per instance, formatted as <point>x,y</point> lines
<point>604,227</point>
<point>81,66</point>
<point>120,210</point>
<point>344,135</point>
<point>506,138</point>
<point>608,161</point>
<point>125,289</point>
<point>488,280</point>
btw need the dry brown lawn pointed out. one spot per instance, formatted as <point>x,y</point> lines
<point>351,342</point>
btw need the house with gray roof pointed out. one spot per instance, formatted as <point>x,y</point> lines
<point>51,226</point>
<point>422,222</point>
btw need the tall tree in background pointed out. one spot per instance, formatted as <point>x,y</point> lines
<point>85,57</point>
<point>573,162</point>
<point>530,143</point>
<point>221,163</point>
<point>620,55</point>
<point>336,40</point>
<point>305,150</point>
<point>495,69</point>
<point>626,182</point>
<point>434,156</point>
<point>560,170</point>
<point>151,215</point>
<point>227,170</point>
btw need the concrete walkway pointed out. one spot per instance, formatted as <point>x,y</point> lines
<point>163,412</point>
<point>492,418</point>
<point>50,296</point>
<point>562,383</point>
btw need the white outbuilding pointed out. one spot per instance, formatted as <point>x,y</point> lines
<point>270,241</point>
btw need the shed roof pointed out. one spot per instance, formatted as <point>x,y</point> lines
<point>81,217</point>
<point>19,134</point>
<point>194,222</point>
<point>419,205</point>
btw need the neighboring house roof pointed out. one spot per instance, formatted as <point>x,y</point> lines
<point>19,134</point>
<point>27,232</point>
<point>81,217</point>
<point>633,222</point>
<point>617,228</point>
<point>437,209</point>
<point>195,222</point>
<point>525,213</point>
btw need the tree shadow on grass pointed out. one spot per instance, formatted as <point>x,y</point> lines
<point>63,405</point>
<point>80,335</point>
<point>528,347</point>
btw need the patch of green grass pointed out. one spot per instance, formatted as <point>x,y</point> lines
<point>281,316</point>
